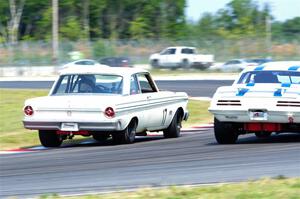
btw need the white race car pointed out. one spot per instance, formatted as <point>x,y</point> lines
<point>103,102</point>
<point>262,100</point>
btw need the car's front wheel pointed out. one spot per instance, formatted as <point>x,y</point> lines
<point>127,136</point>
<point>154,63</point>
<point>173,131</point>
<point>225,133</point>
<point>50,138</point>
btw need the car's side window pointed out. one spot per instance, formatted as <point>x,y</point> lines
<point>168,51</point>
<point>229,62</point>
<point>146,83</point>
<point>134,86</point>
<point>187,51</point>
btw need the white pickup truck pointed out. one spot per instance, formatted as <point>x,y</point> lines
<point>180,57</point>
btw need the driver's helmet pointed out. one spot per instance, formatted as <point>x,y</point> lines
<point>87,82</point>
<point>89,79</point>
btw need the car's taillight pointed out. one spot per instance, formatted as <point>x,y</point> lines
<point>28,110</point>
<point>109,112</point>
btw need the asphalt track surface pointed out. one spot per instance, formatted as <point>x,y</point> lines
<point>194,158</point>
<point>194,88</point>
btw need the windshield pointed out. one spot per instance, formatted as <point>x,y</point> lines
<point>283,77</point>
<point>96,83</point>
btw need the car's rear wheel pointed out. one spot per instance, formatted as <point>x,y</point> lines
<point>185,64</point>
<point>127,136</point>
<point>100,137</point>
<point>173,131</point>
<point>50,138</point>
<point>263,134</point>
<point>154,63</point>
<point>225,133</point>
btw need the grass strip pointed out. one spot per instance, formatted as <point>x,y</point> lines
<point>264,188</point>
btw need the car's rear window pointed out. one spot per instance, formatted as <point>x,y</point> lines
<point>88,83</point>
<point>288,77</point>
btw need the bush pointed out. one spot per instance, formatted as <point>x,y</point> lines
<point>102,49</point>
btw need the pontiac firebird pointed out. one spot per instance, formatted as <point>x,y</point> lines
<point>262,100</point>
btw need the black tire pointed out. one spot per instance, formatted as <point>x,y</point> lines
<point>50,138</point>
<point>127,136</point>
<point>185,64</point>
<point>263,134</point>
<point>225,133</point>
<point>154,63</point>
<point>173,131</point>
<point>100,137</point>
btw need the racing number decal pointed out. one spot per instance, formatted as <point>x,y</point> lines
<point>164,116</point>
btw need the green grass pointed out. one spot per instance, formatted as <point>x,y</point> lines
<point>262,189</point>
<point>13,135</point>
<point>198,113</point>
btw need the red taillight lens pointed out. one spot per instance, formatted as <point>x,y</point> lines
<point>109,112</point>
<point>28,110</point>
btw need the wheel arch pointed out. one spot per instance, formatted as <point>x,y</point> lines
<point>135,118</point>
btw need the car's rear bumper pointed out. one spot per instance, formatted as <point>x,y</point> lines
<point>88,126</point>
<point>244,116</point>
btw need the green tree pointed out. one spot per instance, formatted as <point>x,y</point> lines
<point>71,29</point>
<point>242,18</point>
<point>207,26</point>
<point>291,29</point>
<point>138,28</point>
<point>174,19</point>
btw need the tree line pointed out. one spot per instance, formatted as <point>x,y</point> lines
<point>31,20</point>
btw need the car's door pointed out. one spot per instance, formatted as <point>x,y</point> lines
<point>232,65</point>
<point>166,56</point>
<point>240,65</point>
<point>171,57</point>
<point>138,101</point>
<point>154,110</point>
<point>163,55</point>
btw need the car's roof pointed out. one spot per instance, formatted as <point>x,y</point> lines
<point>102,70</point>
<point>181,47</point>
<point>84,60</point>
<point>278,66</point>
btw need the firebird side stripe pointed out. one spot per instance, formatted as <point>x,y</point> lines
<point>259,68</point>
<point>242,92</point>
<point>294,68</point>
<point>285,85</point>
<point>250,84</point>
<point>278,93</point>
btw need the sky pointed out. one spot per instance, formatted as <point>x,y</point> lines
<point>281,10</point>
